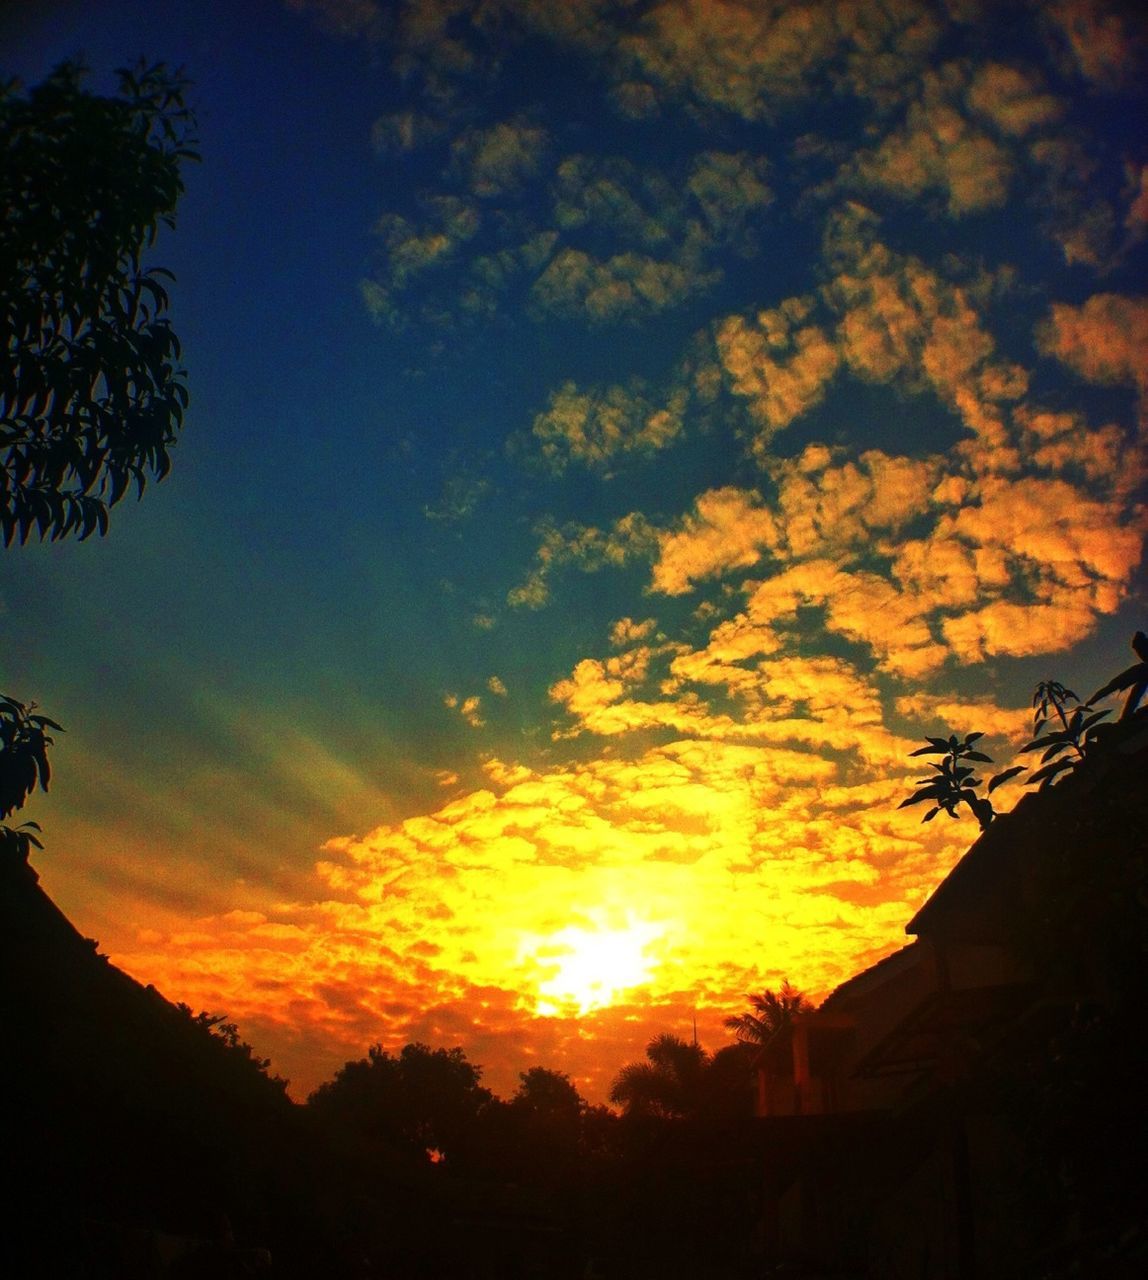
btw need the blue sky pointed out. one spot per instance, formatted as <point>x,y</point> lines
<point>618,432</point>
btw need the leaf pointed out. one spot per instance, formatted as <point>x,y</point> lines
<point>1044,776</point>
<point>1126,679</point>
<point>1004,776</point>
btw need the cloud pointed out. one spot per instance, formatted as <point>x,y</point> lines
<point>586,546</point>
<point>469,708</point>
<point>595,427</point>
<point>718,854</point>
<point>628,631</point>
<point>622,287</point>
<point>1074,217</point>
<point>405,131</point>
<point>937,148</point>
<point>728,529</point>
<point>780,364</point>
<point>902,322</point>
<point>499,159</point>
<point>1104,40</point>
<point>1012,98</point>
<point>1105,339</point>
<point>730,188</point>
<point>744,57</point>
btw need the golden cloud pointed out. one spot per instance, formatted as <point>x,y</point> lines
<point>594,427</point>
<point>1105,339</point>
<point>778,363</point>
<point>727,530</point>
<point>716,857</point>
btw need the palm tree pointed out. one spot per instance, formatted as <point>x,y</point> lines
<point>668,1085</point>
<point>774,1011</point>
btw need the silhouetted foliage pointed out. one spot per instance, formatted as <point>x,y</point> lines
<point>1066,731</point>
<point>1064,734</point>
<point>773,1012</point>
<point>955,782</point>
<point>667,1085</point>
<point>240,1058</point>
<point>91,393</point>
<point>24,743</point>
<point>1133,678</point>
<point>424,1100</point>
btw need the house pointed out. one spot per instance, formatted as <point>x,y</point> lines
<point>905,1126</point>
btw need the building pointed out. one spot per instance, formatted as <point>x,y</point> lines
<point>913,1124</point>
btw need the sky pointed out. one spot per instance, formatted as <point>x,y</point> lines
<point>620,430</point>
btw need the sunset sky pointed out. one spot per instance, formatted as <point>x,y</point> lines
<point>620,429</point>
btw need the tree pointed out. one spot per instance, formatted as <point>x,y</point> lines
<point>668,1085</point>
<point>91,396</point>
<point>426,1100</point>
<point>549,1095</point>
<point>24,743</point>
<point>91,393</point>
<point>773,1012</point>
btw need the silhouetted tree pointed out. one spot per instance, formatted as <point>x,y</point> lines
<point>667,1085</point>
<point>425,1100</point>
<point>773,1012</point>
<point>91,395</point>
<point>545,1093</point>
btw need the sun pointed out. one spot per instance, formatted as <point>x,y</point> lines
<point>589,968</point>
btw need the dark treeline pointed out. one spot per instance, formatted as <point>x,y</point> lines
<point>148,1141</point>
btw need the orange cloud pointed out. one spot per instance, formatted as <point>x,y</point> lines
<point>778,363</point>
<point>1012,98</point>
<point>714,856</point>
<point>938,148</point>
<point>1105,339</point>
<point>594,427</point>
<point>727,530</point>
<point>741,56</point>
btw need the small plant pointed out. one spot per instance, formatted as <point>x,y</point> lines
<point>1069,739</point>
<point>1133,678</point>
<point>955,781</point>
<point>24,743</point>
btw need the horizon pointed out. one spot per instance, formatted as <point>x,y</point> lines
<point>618,436</point>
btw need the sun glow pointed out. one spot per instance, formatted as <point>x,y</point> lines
<point>590,967</point>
